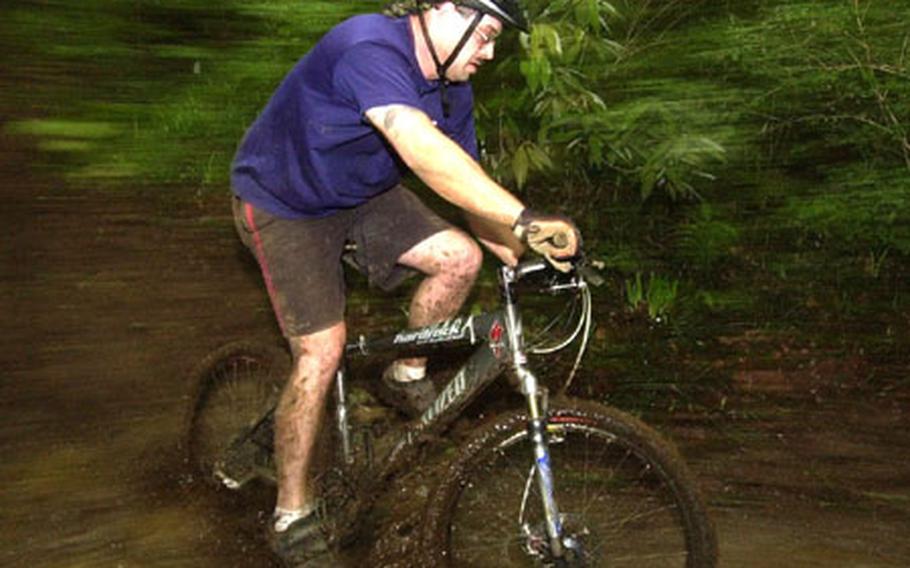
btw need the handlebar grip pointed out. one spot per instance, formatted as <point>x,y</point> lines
<point>560,240</point>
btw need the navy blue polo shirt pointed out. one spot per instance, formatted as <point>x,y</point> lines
<point>312,152</point>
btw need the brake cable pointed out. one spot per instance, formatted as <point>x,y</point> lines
<point>583,327</point>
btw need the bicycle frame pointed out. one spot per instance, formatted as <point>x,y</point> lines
<point>487,331</point>
<point>500,341</point>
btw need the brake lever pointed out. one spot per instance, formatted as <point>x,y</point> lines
<point>590,271</point>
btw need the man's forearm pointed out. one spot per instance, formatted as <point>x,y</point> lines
<point>443,165</point>
<point>496,237</point>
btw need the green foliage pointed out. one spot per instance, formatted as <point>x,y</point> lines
<point>178,80</point>
<point>720,301</point>
<point>526,157</point>
<point>575,113</point>
<point>834,76</point>
<point>704,240</point>
<point>657,295</point>
<point>833,115</point>
<point>868,212</point>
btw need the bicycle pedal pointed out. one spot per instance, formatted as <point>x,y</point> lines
<point>231,482</point>
<point>243,462</point>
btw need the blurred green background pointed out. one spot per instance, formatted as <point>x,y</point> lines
<point>742,167</point>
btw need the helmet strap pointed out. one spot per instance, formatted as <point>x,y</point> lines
<point>443,67</point>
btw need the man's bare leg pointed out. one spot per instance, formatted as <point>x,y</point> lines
<point>299,412</point>
<point>451,260</point>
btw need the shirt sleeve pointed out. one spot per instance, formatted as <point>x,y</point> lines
<point>371,75</point>
<point>460,126</point>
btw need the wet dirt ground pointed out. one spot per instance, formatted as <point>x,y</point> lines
<point>107,298</point>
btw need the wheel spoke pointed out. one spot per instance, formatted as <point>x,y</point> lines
<point>236,386</point>
<point>619,497</point>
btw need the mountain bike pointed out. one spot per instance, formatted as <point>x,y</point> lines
<point>557,482</point>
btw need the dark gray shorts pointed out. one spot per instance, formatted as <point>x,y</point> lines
<point>301,258</point>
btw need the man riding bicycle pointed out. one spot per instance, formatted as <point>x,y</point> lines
<point>321,167</point>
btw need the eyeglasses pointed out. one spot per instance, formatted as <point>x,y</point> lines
<point>484,38</point>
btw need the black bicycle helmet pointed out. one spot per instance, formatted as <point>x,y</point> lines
<point>509,12</point>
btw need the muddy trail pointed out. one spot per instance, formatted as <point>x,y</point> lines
<point>109,297</point>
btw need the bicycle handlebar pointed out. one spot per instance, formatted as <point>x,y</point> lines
<point>581,270</point>
<point>541,266</point>
<point>528,267</point>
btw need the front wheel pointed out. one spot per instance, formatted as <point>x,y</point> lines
<point>625,497</point>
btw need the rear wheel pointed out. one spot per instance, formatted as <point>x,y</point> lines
<point>229,435</point>
<point>625,497</point>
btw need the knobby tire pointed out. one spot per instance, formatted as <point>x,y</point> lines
<point>623,492</point>
<point>234,387</point>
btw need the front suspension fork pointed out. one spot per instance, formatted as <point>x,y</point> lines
<point>537,406</point>
<point>537,433</point>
